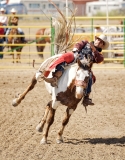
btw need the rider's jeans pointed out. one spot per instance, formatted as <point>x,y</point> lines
<point>89,84</point>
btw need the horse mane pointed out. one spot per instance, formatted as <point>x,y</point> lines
<point>13,31</point>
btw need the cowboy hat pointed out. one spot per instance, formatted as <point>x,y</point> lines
<point>2,9</point>
<point>104,39</point>
<point>13,10</point>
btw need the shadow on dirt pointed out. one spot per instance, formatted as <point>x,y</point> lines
<point>107,141</point>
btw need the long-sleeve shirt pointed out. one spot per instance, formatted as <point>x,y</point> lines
<point>3,19</point>
<point>1,32</point>
<point>98,57</point>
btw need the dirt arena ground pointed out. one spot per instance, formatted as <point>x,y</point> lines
<point>98,134</point>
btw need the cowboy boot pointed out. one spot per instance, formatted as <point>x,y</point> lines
<point>87,101</point>
<point>54,79</point>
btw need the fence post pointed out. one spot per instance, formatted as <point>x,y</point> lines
<point>92,29</point>
<point>124,41</point>
<point>52,38</point>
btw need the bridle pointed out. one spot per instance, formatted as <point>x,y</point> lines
<point>81,83</point>
<point>14,32</point>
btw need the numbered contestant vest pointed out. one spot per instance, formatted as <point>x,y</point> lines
<point>85,51</point>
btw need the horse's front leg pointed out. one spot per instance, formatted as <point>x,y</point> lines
<point>49,122</point>
<point>40,48</point>
<point>18,59</point>
<point>40,126</point>
<point>18,100</point>
<point>13,57</point>
<point>64,123</point>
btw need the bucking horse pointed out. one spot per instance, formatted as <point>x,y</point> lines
<point>69,92</point>
<point>70,89</point>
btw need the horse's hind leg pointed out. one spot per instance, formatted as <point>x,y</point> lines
<point>17,58</point>
<point>13,57</point>
<point>49,122</point>
<point>40,49</point>
<point>64,123</point>
<point>40,126</point>
<point>22,96</point>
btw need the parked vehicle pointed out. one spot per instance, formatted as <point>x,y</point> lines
<point>3,3</point>
<point>20,8</point>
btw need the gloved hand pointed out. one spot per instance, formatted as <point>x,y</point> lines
<point>92,47</point>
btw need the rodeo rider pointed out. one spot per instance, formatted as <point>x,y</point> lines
<point>93,48</point>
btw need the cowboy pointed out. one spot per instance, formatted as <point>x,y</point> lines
<point>3,18</point>
<point>80,49</point>
<point>13,21</point>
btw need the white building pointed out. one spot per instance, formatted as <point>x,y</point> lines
<point>44,6</point>
<point>101,6</point>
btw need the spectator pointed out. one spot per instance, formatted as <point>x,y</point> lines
<point>1,39</point>
<point>121,29</point>
<point>13,21</point>
<point>98,30</point>
<point>80,29</point>
<point>3,19</point>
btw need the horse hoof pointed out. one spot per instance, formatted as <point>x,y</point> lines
<point>14,103</point>
<point>59,141</point>
<point>43,141</point>
<point>38,128</point>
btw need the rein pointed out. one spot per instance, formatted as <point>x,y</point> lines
<point>80,83</point>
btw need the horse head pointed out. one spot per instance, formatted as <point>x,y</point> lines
<point>82,77</point>
<point>12,36</point>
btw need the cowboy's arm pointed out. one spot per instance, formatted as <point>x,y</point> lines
<point>78,46</point>
<point>98,57</point>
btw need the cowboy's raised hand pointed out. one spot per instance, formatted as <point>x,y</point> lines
<point>92,47</point>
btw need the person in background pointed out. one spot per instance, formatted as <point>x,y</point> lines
<point>80,29</point>
<point>1,40</point>
<point>13,21</point>
<point>3,20</point>
<point>121,29</point>
<point>98,30</point>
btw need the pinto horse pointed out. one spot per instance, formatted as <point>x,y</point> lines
<point>13,39</point>
<point>70,91</point>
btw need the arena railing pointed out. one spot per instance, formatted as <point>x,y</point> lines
<point>30,54</point>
